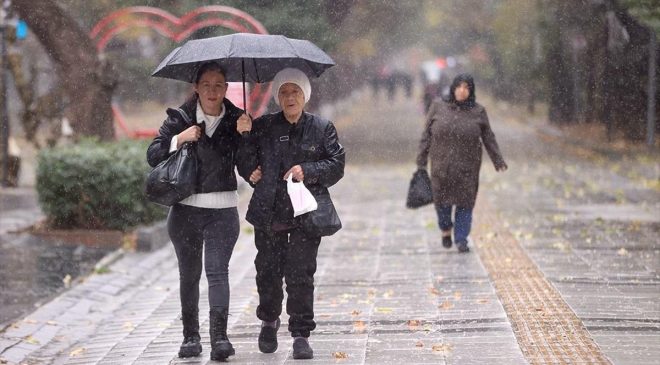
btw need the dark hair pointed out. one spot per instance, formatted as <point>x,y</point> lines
<point>209,66</point>
<point>471,101</point>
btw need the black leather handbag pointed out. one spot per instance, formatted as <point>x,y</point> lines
<point>175,178</point>
<point>324,221</point>
<point>419,192</point>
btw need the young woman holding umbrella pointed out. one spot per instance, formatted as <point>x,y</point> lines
<point>207,220</point>
<point>454,135</point>
<point>304,146</point>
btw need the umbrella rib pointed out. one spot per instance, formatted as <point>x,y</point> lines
<point>288,41</point>
<point>231,47</point>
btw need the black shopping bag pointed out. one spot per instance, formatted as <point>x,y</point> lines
<point>419,192</point>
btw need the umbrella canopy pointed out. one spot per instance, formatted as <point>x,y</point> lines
<point>245,57</point>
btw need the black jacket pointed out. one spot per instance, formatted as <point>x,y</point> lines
<point>276,145</point>
<point>216,155</point>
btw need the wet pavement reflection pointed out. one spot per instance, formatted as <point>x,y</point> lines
<point>33,270</point>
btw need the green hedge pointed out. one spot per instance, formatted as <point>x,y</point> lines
<point>95,185</point>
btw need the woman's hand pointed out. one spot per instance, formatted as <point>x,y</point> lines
<point>244,124</point>
<point>255,176</point>
<point>191,134</point>
<point>297,173</point>
<point>501,167</point>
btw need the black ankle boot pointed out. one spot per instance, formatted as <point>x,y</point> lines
<point>446,241</point>
<point>221,348</point>
<point>191,345</point>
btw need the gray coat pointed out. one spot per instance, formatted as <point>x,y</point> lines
<point>453,138</point>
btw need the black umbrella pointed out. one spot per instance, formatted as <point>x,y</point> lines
<point>245,57</point>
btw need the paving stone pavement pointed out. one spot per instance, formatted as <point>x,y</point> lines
<point>387,292</point>
<point>591,223</point>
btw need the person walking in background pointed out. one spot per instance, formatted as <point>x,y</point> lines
<point>304,146</point>
<point>207,220</point>
<point>453,136</point>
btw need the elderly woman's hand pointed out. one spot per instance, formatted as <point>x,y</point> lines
<point>296,172</point>
<point>244,124</point>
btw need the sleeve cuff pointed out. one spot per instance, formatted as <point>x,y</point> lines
<point>309,171</point>
<point>173,144</point>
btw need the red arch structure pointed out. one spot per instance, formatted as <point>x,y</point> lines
<point>177,29</point>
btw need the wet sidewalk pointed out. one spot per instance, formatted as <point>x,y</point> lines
<point>565,268</point>
<point>386,293</point>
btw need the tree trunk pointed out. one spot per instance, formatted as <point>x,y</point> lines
<point>87,80</point>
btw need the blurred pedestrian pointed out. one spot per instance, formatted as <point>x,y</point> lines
<point>305,146</point>
<point>207,220</point>
<point>453,136</point>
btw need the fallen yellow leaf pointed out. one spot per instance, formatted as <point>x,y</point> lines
<point>559,218</point>
<point>31,340</point>
<point>443,348</point>
<point>340,355</point>
<point>359,326</point>
<point>384,310</point>
<point>413,324</point>
<point>446,305</point>
<point>77,352</point>
<point>67,281</point>
<point>561,246</point>
<point>458,295</point>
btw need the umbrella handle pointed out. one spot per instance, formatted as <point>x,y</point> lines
<point>244,134</point>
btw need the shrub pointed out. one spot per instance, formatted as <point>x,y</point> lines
<point>95,185</point>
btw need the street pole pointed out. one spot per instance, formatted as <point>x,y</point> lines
<point>650,116</point>
<point>3,93</point>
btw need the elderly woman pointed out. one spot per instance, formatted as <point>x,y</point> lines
<point>206,221</point>
<point>455,130</point>
<point>305,146</point>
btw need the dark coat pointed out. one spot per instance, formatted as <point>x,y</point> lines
<point>318,153</point>
<point>453,138</point>
<point>216,155</point>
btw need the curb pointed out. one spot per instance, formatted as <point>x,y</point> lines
<point>152,237</point>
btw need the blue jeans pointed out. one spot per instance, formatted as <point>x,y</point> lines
<point>462,221</point>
